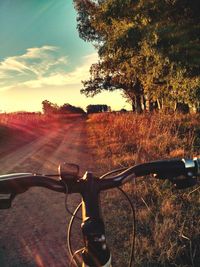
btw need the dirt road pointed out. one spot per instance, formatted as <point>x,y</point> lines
<point>33,231</point>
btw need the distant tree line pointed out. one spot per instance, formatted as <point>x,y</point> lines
<point>148,49</point>
<point>23,113</point>
<point>51,108</point>
<point>97,108</point>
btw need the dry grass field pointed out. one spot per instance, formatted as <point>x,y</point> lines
<point>167,220</point>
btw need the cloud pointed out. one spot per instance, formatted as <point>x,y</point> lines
<point>12,64</point>
<point>66,78</point>
<point>37,52</point>
<point>43,67</point>
<point>36,61</point>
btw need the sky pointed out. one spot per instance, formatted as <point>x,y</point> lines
<point>42,57</point>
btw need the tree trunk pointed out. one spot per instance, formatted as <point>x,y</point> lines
<point>159,104</point>
<point>144,103</point>
<point>133,105</point>
<point>138,104</point>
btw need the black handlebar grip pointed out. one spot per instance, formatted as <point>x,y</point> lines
<point>163,168</point>
<point>197,165</point>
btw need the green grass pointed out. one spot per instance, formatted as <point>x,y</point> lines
<point>168,232</point>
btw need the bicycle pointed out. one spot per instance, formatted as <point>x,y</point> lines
<point>183,173</point>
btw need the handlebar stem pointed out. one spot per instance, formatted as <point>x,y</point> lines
<point>96,252</point>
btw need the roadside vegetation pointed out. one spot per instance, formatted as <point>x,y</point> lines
<point>52,108</point>
<point>147,49</point>
<point>150,51</point>
<point>167,220</point>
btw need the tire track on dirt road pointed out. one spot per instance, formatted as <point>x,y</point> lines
<point>33,231</point>
<point>30,151</point>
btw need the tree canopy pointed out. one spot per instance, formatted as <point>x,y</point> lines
<point>51,108</point>
<point>149,49</point>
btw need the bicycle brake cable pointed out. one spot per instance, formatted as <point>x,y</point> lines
<point>73,217</point>
<point>73,257</point>
<point>132,257</point>
<point>133,214</point>
<point>66,204</point>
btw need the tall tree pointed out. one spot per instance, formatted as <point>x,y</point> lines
<point>149,49</point>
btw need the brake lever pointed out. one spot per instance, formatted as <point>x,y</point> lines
<point>179,182</point>
<point>184,183</point>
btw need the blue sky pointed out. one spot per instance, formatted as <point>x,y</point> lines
<point>42,57</point>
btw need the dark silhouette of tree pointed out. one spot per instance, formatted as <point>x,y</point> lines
<point>67,108</point>
<point>51,108</point>
<point>97,108</point>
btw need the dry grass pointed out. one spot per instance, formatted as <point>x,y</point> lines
<point>167,220</point>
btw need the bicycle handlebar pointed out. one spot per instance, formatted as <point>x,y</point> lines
<point>165,169</point>
<point>182,173</point>
<point>20,182</point>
